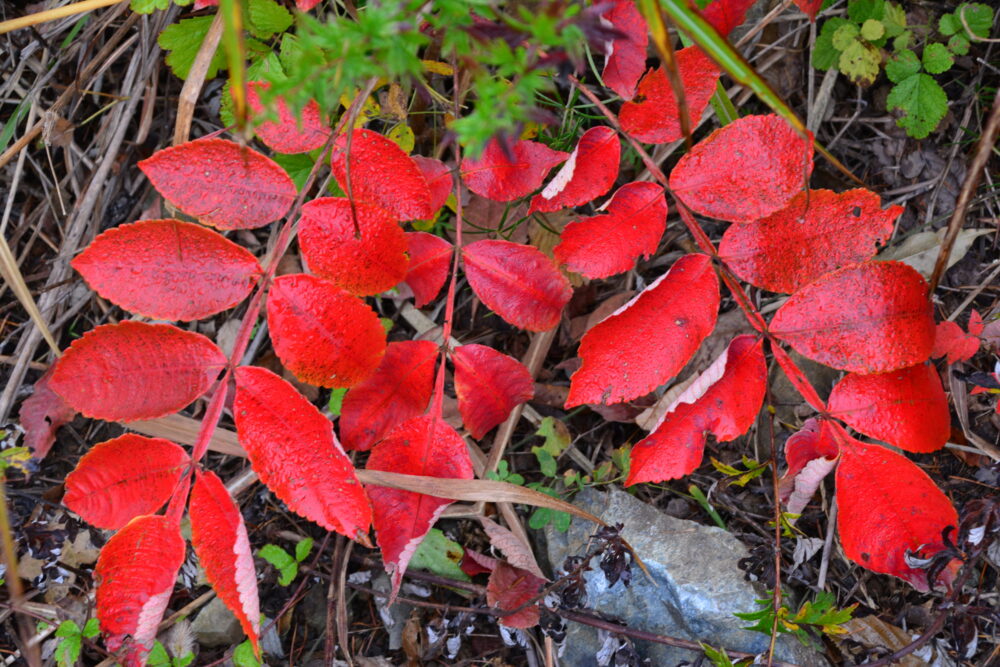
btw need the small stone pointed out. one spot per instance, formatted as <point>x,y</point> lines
<point>215,625</point>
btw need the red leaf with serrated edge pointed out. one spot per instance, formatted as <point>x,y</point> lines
<point>424,445</point>
<point>905,408</point>
<point>818,232</point>
<point>290,133</point>
<point>383,175</point>
<point>220,540</point>
<point>399,390</point>
<point>603,245</point>
<point>168,269</point>
<point>864,318</point>
<point>135,576</point>
<point>886,507</point>
<point>648,340</point>
<point>810,7</point>
<point>221,183</point>
<point>518,282</point>
<point>430,260</point>
<point>502,177</point>
<point>724,401</point>
<point>744,171</point>
<point>438,177</point>
<point>41,414</point>
<point>589,172</point>
<point>364,265</point>
<point>950,341</point>
<point>626,58</point>
<point>322,334</point>
<point>725,15</point>
<point>653,116</point>
<point>293,450</point>
<point>811,454</point>
<point>133,370</point>
<point>489,385</point>
<point>510,587</point>
<point>120,479</point>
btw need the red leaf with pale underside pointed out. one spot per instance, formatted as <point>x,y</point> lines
<point>725,15</point>
<point>626,60</point>
<point>120,479</point>
<point>133,370</point>
<point>489,385</point>
<point>648,340</point>
<point>430,260</point>
<point>293,450</point>
<point>864,318</point>
<point>589,172</point>
<point>322,334</point>
<point>168,269</point>
<point>41,414</point>
<point>744,171</point>
<point>290,133</point>
<point>810,7</point>
<point>399,390</point>
<point>818,232</point>
<point>724,401</point>
<point>364,265</point>
<point>517,282</point>
<point>510,587</point>
<point>811,454</point>
<point>502,177</point>
<point>438,177</point>
<point>951,342</point>
<point>221,183</point>
<point>603,245</point>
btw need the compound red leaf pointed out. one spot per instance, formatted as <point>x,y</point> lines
<point>424,445</point>
<point>133,370</point>
<point>865,318</point>
<point>438,177</point>
<point>518,282</point>
<point>430,260</point>
<point>135,576</point>
<point>589,172</point>
<point>724,401</point>
<point>510,587</point>
<point>725,15</point>
<point>811,454</point>
<point>810,8</point>
<point>399,390</point>
<point>489,385</point>
<point>168,269</point>
<point>818,232</point>
<point>383,175</point>
<point>744,171</point>
<point>322,334</point>
<point>220,540</point>
<point>950,341</point>
<point>648,340</point>
<point>120,479</point>
<point>221,183</point>
<point>654,117</point>
<point>502,177</point>
<point>293,450</point>
<point>906,408</point>
<point>290,133</point>
<point>626,57</point>
<point>364,265</point>
<point>42,414</point>
<point>888,506</point>
<point>603,245</point>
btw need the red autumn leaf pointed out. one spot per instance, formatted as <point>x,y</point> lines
<point>364,265</point>
<point>648,340</point>
<point>905,408</point>
<point>120,479</point>
<point>810,8</point>
<point>220,540</point>
<point>864,318</point>
<point>976,325</point>
<point>888,506</point>
<point>489,385</point>
<point>818,232</point>
<point>518,282</point>
<point>474,563</point>
<point>306,5</point>
<point>135,576</point>
<point>726,15</point>
<point>510,587</point>
<point>424,445</point>
<point>168,269</point>
<point>41,415</point>
<point>653,116</point>
<point>724,401</point>
<point>952,342</point>
<point>430,260</point>
<point>811,454</point>
<point>744,171</point>
<point>221,183</point>
<point>399,390</point>
<point>322,334</point>
<point>133,370</point>
<point>290,133</point>
<point>438,177</point>
<point>603,245</point>
<point>502,177</point>
<point>589,172</point>
<point>293,450</point>
<point>383,175</point>
<point>626,58</point>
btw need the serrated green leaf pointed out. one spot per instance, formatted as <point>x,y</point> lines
<point>860,62</point>
<point>936,58</point>
<point>546,461</point>
<point>845,36</point>
<point>158,656</point>
<point>182,41</point>
<point>957,44</point>
<point>894,19</point>
<point>68,629</point>
<point>825,54</point>
<point>923,102</point>
<point>860,11</point>
<point>92,628</point>
<point>978,18</point>
<point>267,18</point>
<point>872,30</point>
<point>302,548</point>
<point>902,41</point>
<point>439,555</point>
<point>949,24</point>
<point>557,437</point>
<point>903,65</point>
<point>148,6</point>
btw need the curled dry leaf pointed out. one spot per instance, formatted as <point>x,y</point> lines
<point>514,549</point>
<point>430,260</point>
<point>589,172</point>
<point>489,385</point>
<point>290,133</point>
<point>811,454</point>
<point>626,55</point>
<point>41,414</point>
<point>500,176</point>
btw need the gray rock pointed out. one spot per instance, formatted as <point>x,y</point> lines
<point>394,617</point>
<point>215,625</point>
<point>698,585</point>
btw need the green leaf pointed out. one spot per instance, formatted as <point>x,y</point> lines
<point>716,657</point>
<point>557,437</point>
<point>825,54</point>
<point>298,167</point>
<point>949,24</point>
<point>268,18</point>
<point>92,628</point>
<point>923,102</point>
<point>182,41</point>
<point>978,17</point>
<point>546,461</point>
<point>860,11</point>
<point>148,6</point>
<point>336,402</point>
<point>894,19</point>
<point>158,656</point>
<point>303,548</point>
<point>276,556</point>
<point>872,30</point>
<point>901,41</point>
<point>243,656</point>
<point>903,65</point>
<point>936,58</point>
<point>957,44</point>
<point>845,36</point>
<point>439,555</point>
<point>184,660</point>
<point>860,62</point>
<point>503,474</point>
<point>68,629</point>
